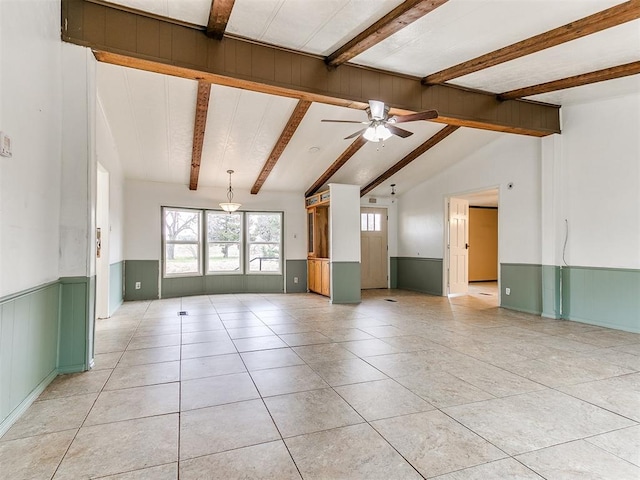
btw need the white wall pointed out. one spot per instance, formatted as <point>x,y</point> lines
<point>108,156</point>
<point>78,187</point>
<point>509,159</point>
<point>143,201</point>
<point>600,187</point>
<point>30,112</point>
<point>344,223</point>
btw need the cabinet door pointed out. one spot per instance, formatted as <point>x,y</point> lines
<point>318,276</point>
<point>326,279</point>
<point>311,213</point>
<point>311,274</point>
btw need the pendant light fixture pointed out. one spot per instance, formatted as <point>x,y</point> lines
<point>229,206</point>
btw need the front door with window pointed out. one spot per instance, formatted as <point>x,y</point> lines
<point>373,243</point>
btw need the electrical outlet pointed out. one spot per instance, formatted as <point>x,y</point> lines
<point>138,285</point>
<point>507,291</point>
<point>295,279</point>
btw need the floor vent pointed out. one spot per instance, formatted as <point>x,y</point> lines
<point>183,313</point>
<point>390,300</point>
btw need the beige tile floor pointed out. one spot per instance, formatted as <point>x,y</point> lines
<point>289,386</point>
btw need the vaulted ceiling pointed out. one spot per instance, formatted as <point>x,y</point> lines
<point>164,125</point>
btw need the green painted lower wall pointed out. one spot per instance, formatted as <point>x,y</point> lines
<point>393,272</point>
<point>28,348</point>
<point>296,269</point>
<point>213,284</point>
<point>345,282</point>
<point>116,282</point>
<point>77,312</point>
<point>147,273</point>
<point>608,297</point>
<point>525,284</point>
<point>551,291</point>
<point>419,274</point>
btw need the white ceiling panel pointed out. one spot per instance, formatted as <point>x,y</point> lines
<point>589,93</point>
<point>461,30</point>
<point>242,129</point>
<point>375,158</point>
<point>455,147</point>
<point>313,26</point>
<point>313,148</point>
<point>151,117</point>
<point>614,46</point>
<point>190,11</point>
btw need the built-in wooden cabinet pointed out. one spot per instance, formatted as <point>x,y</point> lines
<point>318,276</point>
<point>318,269</point>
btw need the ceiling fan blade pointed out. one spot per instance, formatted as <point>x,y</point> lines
<point>357,134</point>
<point>413,117</point>
<point>377,109</point>
<point>344,121</point>
<point>399,132</point>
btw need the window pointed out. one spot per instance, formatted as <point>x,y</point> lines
<point>224,242</point>
<point>182,241</point>
<point>370,222</point>
<point>197,241</point>
<point>264,239</point>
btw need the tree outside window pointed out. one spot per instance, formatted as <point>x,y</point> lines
<point>181,241</point>
<point>264,240</point>
<point>224,242</point>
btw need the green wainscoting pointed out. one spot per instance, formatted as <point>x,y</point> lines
<point>608,297</point>
<point>77,312</point>
<point>215,284</point>
<point>28,348</point>
<point>147,273</point>
<point>393,272</point>
<point>525,282</point>
<point>345,282</point>
<point>419,274</point>
<point>551,291</point>
<point>116,282</point>
<point>296,268</point>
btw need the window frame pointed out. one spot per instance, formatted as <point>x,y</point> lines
<point>203,243</point>
<point>240,243</point>
<point>197,242</point>
<point>248,243</point>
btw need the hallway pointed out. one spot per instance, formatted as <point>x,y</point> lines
<point>403,386</point>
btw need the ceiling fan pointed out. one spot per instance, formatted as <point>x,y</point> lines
<point>381,127</point>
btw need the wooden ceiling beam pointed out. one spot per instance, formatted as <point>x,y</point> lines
<point>199,126</point>
<point>432,142</point>
<point>351,150</point>
<point>618,71</point>
<point>135,40</point>
<point>290,128</point>
<point>597,22</point>
<point>219,17</point>
<point>394,21</point>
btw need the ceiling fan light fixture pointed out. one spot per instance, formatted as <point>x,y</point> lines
<point>229,206</point>
<point>377,133</point>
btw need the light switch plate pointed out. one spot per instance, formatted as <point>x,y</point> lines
<point>5,145</point>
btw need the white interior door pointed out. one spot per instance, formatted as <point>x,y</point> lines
<point>458,245</point>
<point>373,247</point>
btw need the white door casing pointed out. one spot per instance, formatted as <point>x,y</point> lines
<point>458,245</point>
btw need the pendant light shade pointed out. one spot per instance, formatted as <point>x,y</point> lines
<point>229,205</point>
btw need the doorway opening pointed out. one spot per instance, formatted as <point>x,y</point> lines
<point>471,266</point>
<point>102,243</point>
